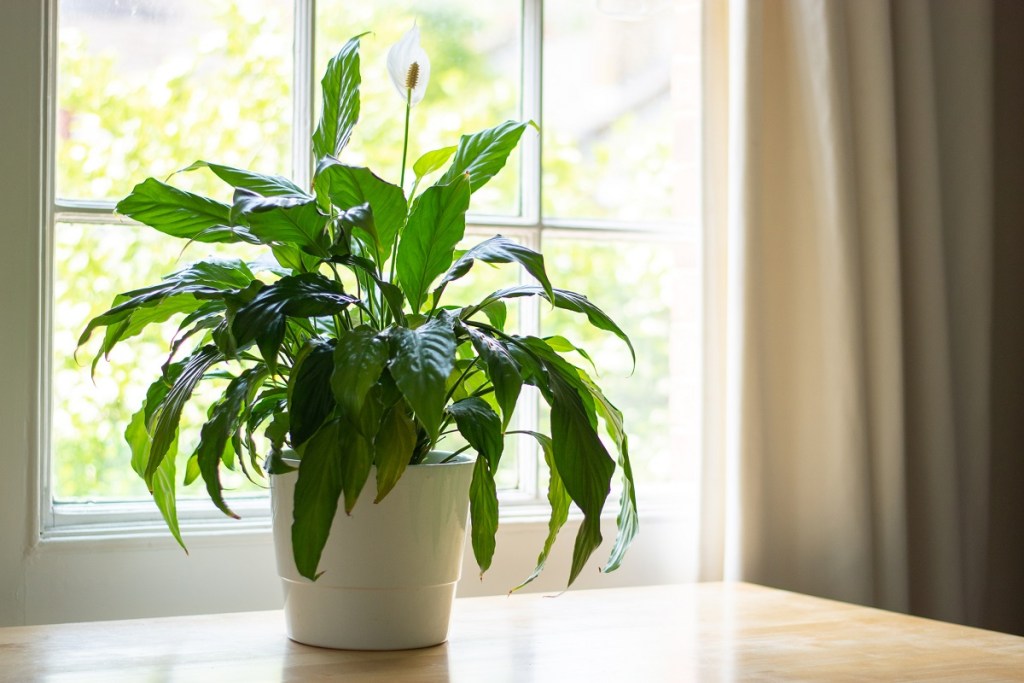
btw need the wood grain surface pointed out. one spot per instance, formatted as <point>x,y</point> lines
<point>699,632</point>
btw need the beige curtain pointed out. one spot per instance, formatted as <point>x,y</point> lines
<point>859,444</point>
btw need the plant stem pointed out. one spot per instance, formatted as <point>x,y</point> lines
<point>405,140</point>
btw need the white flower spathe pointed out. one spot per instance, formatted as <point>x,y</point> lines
<point>409,66</point>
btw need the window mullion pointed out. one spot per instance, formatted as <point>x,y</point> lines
<point>532,56</point>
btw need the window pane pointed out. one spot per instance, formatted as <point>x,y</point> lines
<point>93,263</point>
<point>474,50</point>
<point>621,104</point>
<point>651,289</point>
<point>145,87</point>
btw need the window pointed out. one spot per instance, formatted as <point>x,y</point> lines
<point>609,191</point>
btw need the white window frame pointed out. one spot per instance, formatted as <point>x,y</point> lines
<point>116,560</point>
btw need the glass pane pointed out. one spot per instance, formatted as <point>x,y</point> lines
<point>654,297</point>
<point>92,264</point>
<point>621,110</point>
<point>146,87</point>
<point>474,50</point>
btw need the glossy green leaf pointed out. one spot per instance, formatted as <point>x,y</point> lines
<point>310,400</point>
<point>293,221</point>
<point>224,421</point>
<point>564,299</point>
<point>421,360</point>
<point>393,448</point>
<point>583,463</point>
<point>433,161</point>
<point>436,224</point>
<point>502,370</point>
<point>359,358</point>
<point>266,185</point>
<point>392,293</point>
<point>499,249</point>
<point>317,492</point>
<point>340,110</point>
<point>349,186</point>
<point>168,412</point>
<point>356,462</point>
<point>480,426</point>
<point>483,514</point>
<point>558,500</point>
<point>483,154</point>
<point>181,214</point>
<point>137,436</point>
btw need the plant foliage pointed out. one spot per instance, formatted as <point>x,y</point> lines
<point>342,347</point>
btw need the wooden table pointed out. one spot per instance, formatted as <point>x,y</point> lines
<point>700,632</point>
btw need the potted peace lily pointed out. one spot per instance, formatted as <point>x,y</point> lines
<point>344,365</point>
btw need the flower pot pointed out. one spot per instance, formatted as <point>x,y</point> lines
<point>389,569</point>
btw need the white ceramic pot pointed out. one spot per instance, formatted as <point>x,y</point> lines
<point>389,570</point>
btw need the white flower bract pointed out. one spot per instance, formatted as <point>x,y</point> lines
<point>402,57</point>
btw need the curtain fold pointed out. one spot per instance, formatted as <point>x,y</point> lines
<point>848,256</point>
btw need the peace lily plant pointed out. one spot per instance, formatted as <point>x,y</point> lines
<point>343,350</point>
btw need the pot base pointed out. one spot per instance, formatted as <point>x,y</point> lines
<point>390,618</point>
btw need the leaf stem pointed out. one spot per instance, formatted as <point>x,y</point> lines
<point>405,140</point>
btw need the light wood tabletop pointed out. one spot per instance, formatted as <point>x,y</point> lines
<point>699,632</point>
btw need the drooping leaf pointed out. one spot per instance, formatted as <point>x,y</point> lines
<point>565,299</point>
<point>421,360</point>
<point>290,221</point>
<point>436,224</point>
<point>393,448</point>
<point>317,491</point>
<point>163,484</point>
<point>348,186</point>
<point>499,249</point>
<point>181,214</point>
<point>483,154</point>
<point>266,185</point>
<point>359,358</point>
<point>392,294</point>
<point>433,161</point>
<point>480,426</point>
<point>310,400</point>
<point>582,461</point>
<point>167,413</point>
<point>340,111</point>
<point>356,462</point>
<point>224,421</point>
<point>483,513</point>
<point>559,501</point>
<point>502,370</point>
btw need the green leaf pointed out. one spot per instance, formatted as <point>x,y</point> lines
<point>181,214</point>
<point>317,491</point>
<point>433,161</point>
<point>583,463</point>
<point>292,221</point>
<point>340,101</point>
<point>436,224</point>
<point>499,249</point>
<point>481,427</point>
<point>266,185</point>
<point>310,400</point>
<point>168,413</point>
<point>359,358</point>
<point>501,369</point>
<point>263,318</point>
<point>393,448</point>
<point>496,313</point>
<point>350,186</point>
<point>356,462</point>
<point>224,421</point>
<point>420,362</point>
<point>483,154</point>
<point>559,501</point>
<point>483,513</point>
<point>163,484</point>
<point>564,299</point>
<point>391,293</point>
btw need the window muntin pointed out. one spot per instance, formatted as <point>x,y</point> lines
<point>616,269</point>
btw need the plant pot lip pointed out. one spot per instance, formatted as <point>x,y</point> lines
<point>433,459</point>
